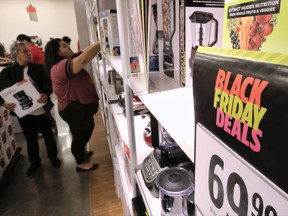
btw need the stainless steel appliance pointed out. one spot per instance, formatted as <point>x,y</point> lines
<point>175,185</point>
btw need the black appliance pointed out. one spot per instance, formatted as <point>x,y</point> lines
<point>204,32</point>
<point>25,101</point>
<point>166,154</point>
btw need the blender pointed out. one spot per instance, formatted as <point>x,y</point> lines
<point>204,29</point>
<point>166,154</point>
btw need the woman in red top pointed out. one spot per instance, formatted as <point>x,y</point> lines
<point>76,92</point>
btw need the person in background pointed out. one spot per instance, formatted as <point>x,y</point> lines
<point>67,40</point>
<point>3,52</point>
<point>5,61</point>
<point>76,92</point>
<point>36,52</point>
<point>37,120</point>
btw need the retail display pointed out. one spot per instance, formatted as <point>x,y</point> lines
<point>232,129</point>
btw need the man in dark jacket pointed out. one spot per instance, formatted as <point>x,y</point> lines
<point>40,119</point>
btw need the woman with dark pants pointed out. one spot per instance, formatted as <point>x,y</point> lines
<point>76,94</point>
<point>81,126</point>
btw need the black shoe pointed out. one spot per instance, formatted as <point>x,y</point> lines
<point>93,167</point>
<point>55,162</point>
<point>33,168</point>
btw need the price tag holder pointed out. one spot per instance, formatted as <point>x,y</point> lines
<point>225,184</point>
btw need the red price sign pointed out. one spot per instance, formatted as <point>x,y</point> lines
<point>227,185</point>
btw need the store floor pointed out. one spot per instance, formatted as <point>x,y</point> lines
<point>54,191</point>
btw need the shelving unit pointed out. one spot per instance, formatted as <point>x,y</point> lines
<point>169,102</point>
<point>161,95</point>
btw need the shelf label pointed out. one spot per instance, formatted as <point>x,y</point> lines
<point>225,184</point>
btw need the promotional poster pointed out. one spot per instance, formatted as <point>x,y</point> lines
<point>256,25</point>
<point>241,98</point>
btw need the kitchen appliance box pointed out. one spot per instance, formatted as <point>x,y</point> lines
<point>110,32</point>
<point>163,38</point>
<point>256,25</point>
<point>212,11</point>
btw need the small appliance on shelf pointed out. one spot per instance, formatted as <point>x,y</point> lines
<point>166,154</point>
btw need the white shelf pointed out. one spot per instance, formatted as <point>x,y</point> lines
<point>174,110</point>
<point>121,122</point>
<point>123,176</point>
<point>115,62</point>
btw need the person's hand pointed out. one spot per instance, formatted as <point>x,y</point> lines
<point>43,99</point>
<point>9,106</point>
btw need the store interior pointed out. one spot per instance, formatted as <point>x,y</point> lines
<point>190,98</point>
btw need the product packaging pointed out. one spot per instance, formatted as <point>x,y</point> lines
<point>110,33</point>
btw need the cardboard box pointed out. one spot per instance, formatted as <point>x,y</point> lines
<point>110,32</point>
<point>25,95</point>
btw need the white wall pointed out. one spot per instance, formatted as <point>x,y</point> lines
<point>56,18</point>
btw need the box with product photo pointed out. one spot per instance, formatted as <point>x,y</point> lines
<point>110,32</point>
<point>203,27</point>
<point>136,37</point>
<point>168,14</point>
<point>256,25</point>
<point>25,95</point>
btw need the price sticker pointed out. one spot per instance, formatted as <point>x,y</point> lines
<point>226,185</point>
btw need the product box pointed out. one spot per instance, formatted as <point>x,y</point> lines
<point>256,25</point>
<point>136,37</point>
<point>163,38</point>
<point>110,33</point>
<point>168,14</point>
<point>25,95</point>
<point>203,27</point>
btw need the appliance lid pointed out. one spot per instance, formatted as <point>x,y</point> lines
<point>174,182</point>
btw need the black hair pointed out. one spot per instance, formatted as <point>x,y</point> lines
<point>51,53</point>
<point>22,37</point>
<point>66,39</point>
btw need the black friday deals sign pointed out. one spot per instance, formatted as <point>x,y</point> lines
<point>243,102</point>
<point>225,184</point>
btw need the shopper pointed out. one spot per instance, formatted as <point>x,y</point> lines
<point>40,119</point>
<point>67,40</point>
<point>76,92</point>
<point>3,52</point>
<point>36,52</point>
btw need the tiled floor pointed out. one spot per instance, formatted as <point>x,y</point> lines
<point>50,191</point>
